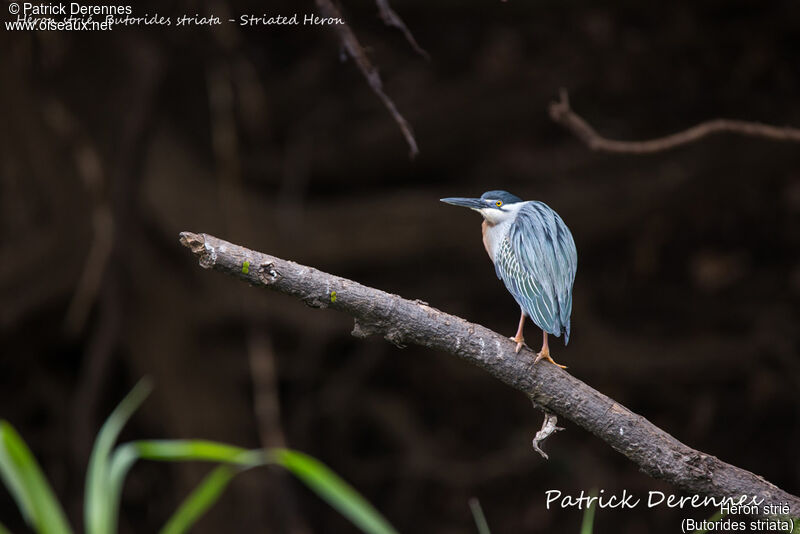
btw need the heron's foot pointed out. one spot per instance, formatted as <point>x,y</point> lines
<point>520,341</point>
<point>544,354</point>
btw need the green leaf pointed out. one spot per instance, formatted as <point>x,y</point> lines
<point>101,501</point>
<point>587,526</point>
<point>338,493</point>
<point>173,451</point>
<point>310,471</point>
<point>121,462</point>
<point>26,483</point>
<point>477,515</point>
<point>107,471</point>
<point>196,450</point>
<point>713,519</point>
<point>199,501</point>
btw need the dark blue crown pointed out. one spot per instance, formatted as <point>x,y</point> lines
<point>505,196</point>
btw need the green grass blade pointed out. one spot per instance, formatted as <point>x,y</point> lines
<point>4,530</point>
<point>24,479</point>
<point>587,525</point>
<point>314,474</point>
<point>11,473</point>
<point>181,450</point>
<point>200,500</point>
<point>477,515</point>
<point>713,519</point>
<point>100,502</point>
<point>338,493</point>
<point>121,462</point>
<point>172,451</point>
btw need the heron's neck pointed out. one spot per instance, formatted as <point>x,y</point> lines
<point>493,235</point>
<point>486,238</point>
<point>495,232</point>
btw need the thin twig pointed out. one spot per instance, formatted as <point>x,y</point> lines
<point>92,173</point>
<point>266,403</point>
<point>391,18</point>
<point>83,299</point>
<point>356,51</point>
<point>402,321</point>
<point>131,135</point>
<point>561,113</point>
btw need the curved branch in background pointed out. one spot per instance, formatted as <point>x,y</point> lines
<point>391,18</point>
<point>561,113</point>
<point>402,321</point>
<point>356,51</point>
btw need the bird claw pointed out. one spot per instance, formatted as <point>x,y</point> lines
<point>545,355</point>
<point>520,341</point>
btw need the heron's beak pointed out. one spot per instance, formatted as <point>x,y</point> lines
<point>472,203</point>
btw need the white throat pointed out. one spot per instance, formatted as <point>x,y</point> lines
<point>496,226</point>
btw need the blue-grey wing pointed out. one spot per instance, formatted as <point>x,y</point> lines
<point>537,262</point>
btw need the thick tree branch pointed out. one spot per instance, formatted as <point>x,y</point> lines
<point>402,321</point>
<point>561,113</point>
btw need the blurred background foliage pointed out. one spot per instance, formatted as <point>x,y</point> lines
<point>110,464</point>
<point>686,300</point>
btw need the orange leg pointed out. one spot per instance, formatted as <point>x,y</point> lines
<point>519,339</point>
<point>544,354</point>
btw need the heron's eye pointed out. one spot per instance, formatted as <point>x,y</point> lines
<point>498,203</point>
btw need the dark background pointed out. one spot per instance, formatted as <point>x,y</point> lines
<point>686,299</point>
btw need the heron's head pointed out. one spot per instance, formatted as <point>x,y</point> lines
<point>495,206</point>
